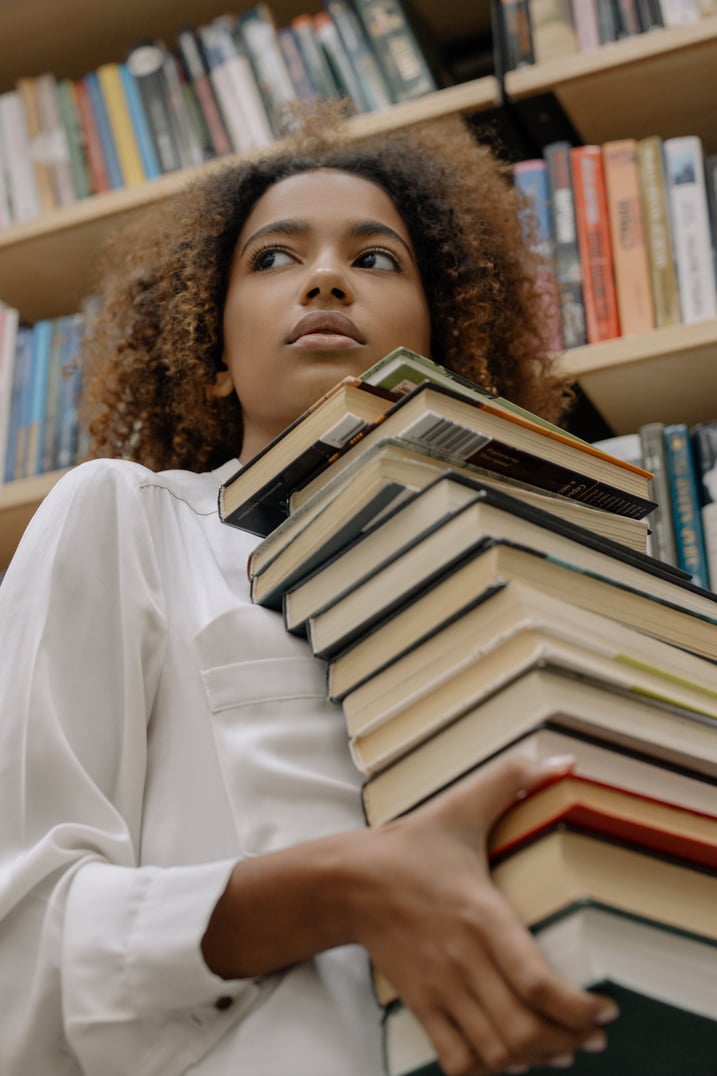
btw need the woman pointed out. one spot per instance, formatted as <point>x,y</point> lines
<point>188,886</point>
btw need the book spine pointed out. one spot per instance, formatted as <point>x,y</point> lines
<point>658,237</point>
<point>654,456</point>
<point>629,249</point>
<point>684,169</point>
<point>567,256</point>
<point>704,449</point>
<point>58,150</point>
<point>711,192</point>
<point>314,58</point>
<point>629,18</point>
<point>553,30</point>
<point>679,12</point>
<point>19,403</point>
<point>99,178</point>
<point>607,23</point>
<point>10,321</point>
<point>191,51</point>
<point>531,179</point>
<point>109,149</point>
<point>65,447</point>
<point>586,25</point>
<point>397,50</point>
<point>236,86</point>
<point>190,151</point>
<point>146,64</point>
<point>593,227</point>
<point>6,211</point>
<point>118,116</point>
<point>339,60</point>
<point>140,127</point>
<point>40,364</point>
<point>277,90</point>
<point>75,138</point>
<point>57,346</point>
<point>371,79</point>
<point>193,111</point>
<point>517,34</point>
<point>22,182</point>
<point>304,87</point>
<point>685,503</point>
<point>39,150</point>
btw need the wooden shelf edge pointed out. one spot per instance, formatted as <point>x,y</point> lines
<point>675,340</point>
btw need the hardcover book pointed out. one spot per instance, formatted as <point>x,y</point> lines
<point>593,224</point>
<point>629,249</point>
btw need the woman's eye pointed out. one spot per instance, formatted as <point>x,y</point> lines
<point>271,259</point>
<point>378,259</point>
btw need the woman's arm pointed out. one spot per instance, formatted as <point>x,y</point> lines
<point>417,894</point>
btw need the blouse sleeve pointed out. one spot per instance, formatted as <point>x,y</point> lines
<point>100,963</point>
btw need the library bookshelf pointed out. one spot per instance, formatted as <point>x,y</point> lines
<point>657,83</point>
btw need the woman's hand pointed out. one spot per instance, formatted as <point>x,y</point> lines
<point>427,911</point>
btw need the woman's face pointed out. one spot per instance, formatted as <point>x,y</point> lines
<point>324,282</point>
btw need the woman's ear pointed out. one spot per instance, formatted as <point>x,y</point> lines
<point>223,384</point>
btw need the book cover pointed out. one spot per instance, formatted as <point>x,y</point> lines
<point>58,149</point>
<point>107,140</point>
<point>197,70</point>
<point>15,141</point>
<point>594,244</point>
<point>99,177</point>
<point>9,323</point>
<point>567,255</point>
<point>608,21</point>
<point>553,29</point>
<point>146,65</point>
<point>277,90</point>
<point>374,86</point>
<point>516,33</point>
<point>629,249</point>
<point>658,235</point>
<point>139,124</point>
<point>586,25</point>
<point>189,146</point>
<point>201,135</point>
<point>27,89</point>
<point>40,365</point>
<point>689,216</point>
<point>314,58</point>
<point>301,78</point>
<point>120,121</point>
<point>685,503</point>
<point>75,138</point>
<point>67,437</point>
<point>58,350</point>
<point>662,537</point>
<point>399,54</point>
<point>531,179</point>
<point>704,449</point>
<point>235,85</point>
<point>342,67</point>
<point>16,457</point>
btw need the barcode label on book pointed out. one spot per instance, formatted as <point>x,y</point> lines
<point>449,437</point>
<point>346,428</point>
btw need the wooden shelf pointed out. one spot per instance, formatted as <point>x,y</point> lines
<point>668,375</point>
<point>18,501</point>
<point>47,264</point>
<point>662,82</point>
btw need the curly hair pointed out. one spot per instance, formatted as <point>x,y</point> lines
<point>154,350</point>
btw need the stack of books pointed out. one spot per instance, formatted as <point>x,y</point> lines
<point>476,580</point>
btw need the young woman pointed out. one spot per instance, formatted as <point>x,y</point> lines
<point>187,885</point>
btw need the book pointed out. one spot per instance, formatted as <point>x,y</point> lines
<point>139,125</point>
<point>629,249</point>
<point>531,179</point>
<point>27,89</point>
<point>586,25</point>
<point>40,365</point>
<point>685,503</point>
<point>146,65</point>
<point>99,177</point>
<point>553,30</point>
<point>689,216</point>
<point>374,86</point>
<point>516,34</point>
<point>106,136</point>
<point>559,714</point>
<point>304,86</point>
<point>57,357</point>
<point>74,134</point>
<point>9,322</point>
<point>661,978</point>
<point>567,255</point>
<point>258,31</point>
<point>608,18</point>
<point>662,535</point>
<point>314,57</point>
<point>345,74</point>
<point>57,148</point>
<point>392,36</point>
<point>703,437</point>
<point>15,142</point>
<point>346,508</point>
<point>428,687</point>
<point>17,432</point>
<point>190,49</point>
<point>67,435</point>
<point>186,137</point>
<point>679,12</point>
<point>120,121</point>
<point>593,227</point>
<point>235,85</point>
<point>658,237</point>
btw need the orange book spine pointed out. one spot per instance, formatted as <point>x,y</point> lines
<point>629,247</point>
<point>95,157</point>
<point>593,227</point>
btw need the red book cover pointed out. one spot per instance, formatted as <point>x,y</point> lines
<point>593,227</point>
<point>99,177</point>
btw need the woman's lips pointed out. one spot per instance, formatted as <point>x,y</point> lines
<point>325,329</point>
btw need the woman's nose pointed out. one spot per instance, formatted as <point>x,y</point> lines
<point>325,281</point>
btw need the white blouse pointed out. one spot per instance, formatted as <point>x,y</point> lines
<point>155,726</point>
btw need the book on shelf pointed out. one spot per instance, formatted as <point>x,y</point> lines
<point>99,177</point>
<point>662,979</point>
<point>339,60</point>
<point>680,12</point>
<point>200,131</point>
<point>374,86</point>
<point>39,145</point>
<point>9,322</point>
<point>629,249</point>
<point>146,65</point>
<point>138,124</point>
<point>258,31</point>
<point>553,29</point>
<point>531,179</point>
<point>628,741</point>
<point>76,145</point>
<point>182,106</point>
<point>120,121</point>
<point>658,234</point>
<point>685,503</point>
<point>67,439</point>
<point>314,57</point>
<point>17,438</point>
<point>15,142</point>
<point>59,335</point>
<point>190,51</point>
<point>515,36</point>
<point>235,85</point>
<point>392,35</point>
<point>296,64</point>
<point>347,508</point>
<point>586,25</point>
<point>40,364</point>
<point>703,436</point>
<point>594,244</point>
<point>689,216</point>
<point>662,535</point>
<point>567,255</point>
<point>108,145</point>
<point>55,139</point>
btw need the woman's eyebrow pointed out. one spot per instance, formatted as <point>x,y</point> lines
<point>358,229</point>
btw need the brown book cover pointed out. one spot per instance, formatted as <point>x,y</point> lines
<point>629,249</point>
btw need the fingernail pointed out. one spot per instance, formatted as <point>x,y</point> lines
<point>563,1061</point>
<point>607,1015</point>
<point>595,1044</point>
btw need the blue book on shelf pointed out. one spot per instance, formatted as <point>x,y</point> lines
<point>685,503</point>
<point>40,366</point>
<point>140,125</point>
<point>17,424</point>
<point>109,150</point>
<point>67,435</point>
